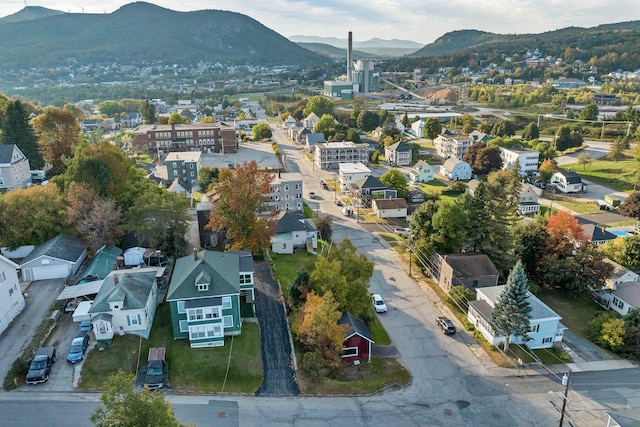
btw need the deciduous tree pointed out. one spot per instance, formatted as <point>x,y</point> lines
<point>584,159</point>
<point>547,169</point>
<point>123,406</point>
<point>261,131</point>
<point>511,313</point>
<point>531,132</point>
<point>58,131</point>
<point>368,120</point>
<point>565,232</point>
<point>589,112</point>
<point>320,105</point>
<point>241,197</point>
<point>432,128</point>
<point>630,207</point>
<point>31,216</point>
<point>395,179</point>
<point>102,225</point>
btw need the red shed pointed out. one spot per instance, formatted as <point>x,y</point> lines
<point>357,342</point>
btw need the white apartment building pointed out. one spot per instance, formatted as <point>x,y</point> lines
<point>527,158</point>
<point>350,173</point>
<point>329,155</point>
<point>452,145</point>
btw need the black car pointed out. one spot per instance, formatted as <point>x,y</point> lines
<point>40,366</point>
<point>447,325</point>
<point>338,202</point>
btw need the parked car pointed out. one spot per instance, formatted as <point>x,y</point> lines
<point>347,211</point>
<point>403,231</point>
<point>40,366</point>
<point>78,348</point>
<point>156,369</point>
<point>447,325</point>
<point>338,202</point>
<point>378,303</point>
<point>312,195</point>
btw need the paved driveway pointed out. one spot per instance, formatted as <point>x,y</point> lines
<point>279,377</point>
<point>16,338</point>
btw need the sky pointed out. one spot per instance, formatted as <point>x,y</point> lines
<point>422,21</point>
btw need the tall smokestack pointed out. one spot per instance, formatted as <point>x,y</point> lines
<point>349,57</point>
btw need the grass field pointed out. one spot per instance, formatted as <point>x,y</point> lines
<point>197,370</point>
<point>285,267</point>
<point>579,207</point>
<point>576,312</point>
<point>621,175</point>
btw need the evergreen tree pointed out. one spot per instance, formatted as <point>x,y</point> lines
<point>512,311</point>
<point>17,130</point>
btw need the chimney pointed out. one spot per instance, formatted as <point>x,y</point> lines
<point>349,57</point>
<point>115,279</point>
<point>195,254</point>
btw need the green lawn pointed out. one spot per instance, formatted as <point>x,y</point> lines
<point>579,207</point>
<point>620,175</point>
<point>365,378</point>
<point>576,312</point>
<point>285,267</point>
<point>198,370</point>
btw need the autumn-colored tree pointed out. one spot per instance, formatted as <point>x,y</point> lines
<point>31,216</point>
<point>58,132</point>
<point>630,207</point>
<point>565,232</point>
<point>80,199</point>
<point>241,197</point>
<point>316,329</point>
<point>547,169</point>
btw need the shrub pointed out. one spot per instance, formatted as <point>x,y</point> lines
<point>457,187</point>
<point>18,370</point>
<point>594,328</point>
<point>459,297</point>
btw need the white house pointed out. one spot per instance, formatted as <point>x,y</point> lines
<point>619,275</point>
<point>14,168</point>
<point>57,258</point>
<point>455,169</point>
<point>526,158</point>
<point>625,298</point>
<point>390,208</point>
<point>421,172</point>
<point>350,173</point>
<point>293,231</point>
<point>567,182</point>
<point>546,328</point>
<point>528,199</point>
<point>417,128</point>
<point>12,300</point>
<point>126,303</point>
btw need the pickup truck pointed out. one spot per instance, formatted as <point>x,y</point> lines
<point>40,366</point>
<point>156,370</point>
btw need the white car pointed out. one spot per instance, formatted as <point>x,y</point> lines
<point>378,303</point>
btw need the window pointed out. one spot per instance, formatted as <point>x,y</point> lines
<point>227,321</point>
<point>547,340</point>
<point>245,278</point>
<point>534,328</point>
<point>475,283</point>
<point>617,302</point>
<point>286,187</point>
<point>175,173</point>
<point>203,287</point>
<point>226,302</point>
<point>184,326</point>
<point>134,319</point>
<point>349,352</point>
<point>180,307</point>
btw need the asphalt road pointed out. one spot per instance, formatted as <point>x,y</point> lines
<point>278,374</point>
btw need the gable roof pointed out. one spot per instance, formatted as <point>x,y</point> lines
<point>539,310</point>
<point>399,147</point>
<point>356,326</point>
<point>369,182</point>
<point>7,151</point>
<point>421,166</point>
<point>102,264</point>
<point>398,203</point>
<point>8,262</point>
<point>570,177</point>
<point>62,246</point>
<point>133,288</point>
<point>629,292</point>
<point>451,163</point>
<point>222,267</point>
<point>288,223</point>
<point>471,264</point>
<point>618,270</point>
<point>595,233</point>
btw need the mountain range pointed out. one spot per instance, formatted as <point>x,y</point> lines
<point>140,33</point>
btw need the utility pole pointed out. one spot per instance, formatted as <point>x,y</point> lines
<point>565,383</point>
<point>410,253</point>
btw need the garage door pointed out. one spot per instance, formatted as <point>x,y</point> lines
<point>50,272</point>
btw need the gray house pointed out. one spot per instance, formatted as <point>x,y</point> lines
<point>57,258</point>
<point>14,168</point>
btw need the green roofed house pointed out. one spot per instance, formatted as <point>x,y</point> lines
<point>209,294</point>
<point>101,265</point>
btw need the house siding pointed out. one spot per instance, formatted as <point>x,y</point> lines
<point>363,348</point>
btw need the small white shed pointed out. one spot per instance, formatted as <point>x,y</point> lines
<point>134,256</point>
